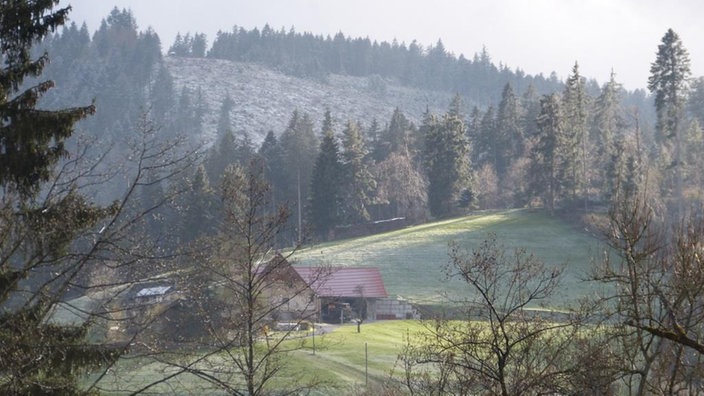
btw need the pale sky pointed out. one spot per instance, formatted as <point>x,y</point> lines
<point>538,36</point>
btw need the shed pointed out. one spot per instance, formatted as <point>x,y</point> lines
<point>345,292</point>
<point>153,294</point>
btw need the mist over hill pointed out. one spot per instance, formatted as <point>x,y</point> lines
<point>264,98</point>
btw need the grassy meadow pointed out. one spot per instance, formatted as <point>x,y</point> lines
<point>338,362</point>
<point>411,260</point>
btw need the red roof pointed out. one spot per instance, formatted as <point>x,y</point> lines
<point>344,281</point>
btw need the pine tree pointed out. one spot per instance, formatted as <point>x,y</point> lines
<point>446,161</point>
<point>397,137</point>
<point>299,146</point>
<point>545,166</point>
<point>574,139</point>
<point>669,78</point>
<point>37,357</point>
<point>272,154</point>
<point>509,136</point>
<point>325,190</point>
<point>197,206</point>
<point>357,183</point>
<point>26,162</point>
<point>607,131</point>
<point>485,149</point>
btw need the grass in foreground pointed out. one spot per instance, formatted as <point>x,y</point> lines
<point>338,361</point>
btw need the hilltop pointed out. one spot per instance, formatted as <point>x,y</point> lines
<point>264,97</point>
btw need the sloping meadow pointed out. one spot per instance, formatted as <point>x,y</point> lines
<point>413,260</point>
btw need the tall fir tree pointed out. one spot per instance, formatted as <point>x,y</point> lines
<point>509,135</point>
<point>37,357</point>
<point>272,154</point>
<point>485,150</point>
<point>574,139</point>
<point>446,161</point>
<point>396,138</point>
<point>545,166</point>
<point>607,130</point>
<point>300,149</point>
<point>325,190</point>
<point>197,205</point>
<point>669,79</point>
<point>357,180</point>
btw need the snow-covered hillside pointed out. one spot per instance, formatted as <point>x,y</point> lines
<point>264,98</point>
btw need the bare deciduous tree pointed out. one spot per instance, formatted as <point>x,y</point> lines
<point>656,297</point>
<point>503,347</point>
<point>240,286</point>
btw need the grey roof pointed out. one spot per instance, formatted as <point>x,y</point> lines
<point>153,291</point>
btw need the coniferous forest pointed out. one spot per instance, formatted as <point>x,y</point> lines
<point>118,168</point>
<point>496,148</point>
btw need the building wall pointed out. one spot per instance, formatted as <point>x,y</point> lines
<point>395,308</point>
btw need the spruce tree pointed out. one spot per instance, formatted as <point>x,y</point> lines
<point>36,231</point>
<point>272,155</point>
<point>299,147</point>
<point>608,131</point>
<point>446,161</point>
<point>669,78</point>
<point>358,183</point>
<point>325,190</point>
<point>574,139</point>
<point>509,136</point>
<point>545,165</point>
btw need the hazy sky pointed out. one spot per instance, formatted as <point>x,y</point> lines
<point>538,36</point>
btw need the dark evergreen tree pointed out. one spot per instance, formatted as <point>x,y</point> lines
<point>162,97</point>
<point>573,144</point>
<point>669,79</point>
<point>509,134</point>
<point>530,102</point>
<point>607,130</point>
<point>199,45</point>
<point>227,150</point>
<point>221,155</point>
<point>545,166</point>
<point>197,206</point>
<point>372,136</point>
<point>179,47</point>
<point>397,137</point>
<point>357,181</point>
<point>299,145</point>
<point>485,149</point>
<point>325,190</point>
<point>272,154</point>
<point>36,356</point>
<point>446,161</point>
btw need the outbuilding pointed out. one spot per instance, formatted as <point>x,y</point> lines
<point>345,293</point>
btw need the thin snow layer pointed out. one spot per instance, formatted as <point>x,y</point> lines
<point>265,99</point>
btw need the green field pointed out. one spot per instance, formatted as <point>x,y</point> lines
<point>339,361</point>
<point>340,355</point>
<point>411,260</point>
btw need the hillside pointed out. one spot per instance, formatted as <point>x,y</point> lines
<point>411,260</point>
<point>264,98</point>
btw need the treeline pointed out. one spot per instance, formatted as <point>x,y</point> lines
<point>574,146</point>
<point>308,55</point>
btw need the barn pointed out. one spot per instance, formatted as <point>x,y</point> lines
<point>345,293</point>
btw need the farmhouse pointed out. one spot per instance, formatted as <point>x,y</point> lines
<point>330,294</point>
<point>345,292</point>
